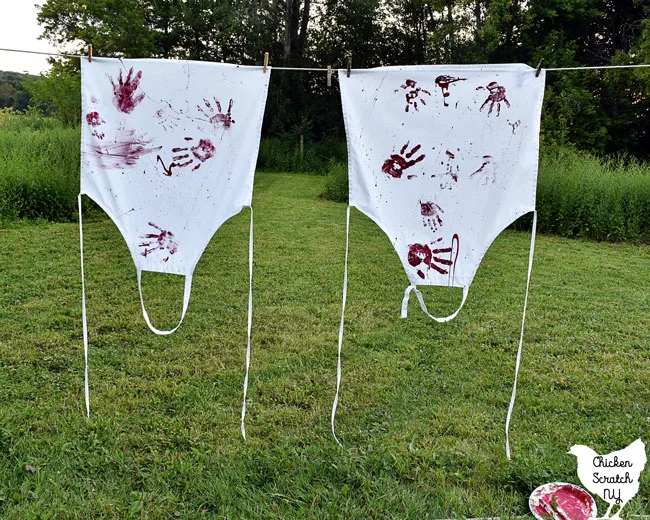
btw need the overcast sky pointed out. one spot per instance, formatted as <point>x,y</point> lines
<point>20,30</point>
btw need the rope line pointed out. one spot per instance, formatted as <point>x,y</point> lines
<point>333,70</point>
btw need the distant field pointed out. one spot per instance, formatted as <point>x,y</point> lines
<point>422,407</point>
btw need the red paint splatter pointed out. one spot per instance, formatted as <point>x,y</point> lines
<point>431,215</point>
<point>429,256</point>
<point>201,152</point>
<point>413,94</point>
<point>488,173</point>
<point>496,95</point>
<point>125,150</point>
<point>396,164</point>
<point>514,125</point>
<point>443,82</point>
<point>218,118</point>
<point>162,241</point>
<point>124,96</point>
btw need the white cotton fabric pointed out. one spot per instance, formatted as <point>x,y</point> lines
<point>178,160</point>
<point>443,158</point>
<point>168,150</point>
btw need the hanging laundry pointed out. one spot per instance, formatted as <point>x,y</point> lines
<point>168,150</point>
<point>442,159</point>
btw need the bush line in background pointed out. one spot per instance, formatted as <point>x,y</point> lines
<point>578,195</point>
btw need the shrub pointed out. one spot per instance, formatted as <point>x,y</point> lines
<point>336,184</point>
<point>278,155</point>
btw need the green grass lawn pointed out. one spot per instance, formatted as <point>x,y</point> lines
<point>422,408</point>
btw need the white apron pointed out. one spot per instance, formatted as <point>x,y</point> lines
<point>442,159</point>
<point>168,150</point>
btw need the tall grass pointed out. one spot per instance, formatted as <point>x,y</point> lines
<point>278,155</point>
<point>39,169</point>
<point>579,195</point>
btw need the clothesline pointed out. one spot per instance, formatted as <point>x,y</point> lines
<point>322,69</point>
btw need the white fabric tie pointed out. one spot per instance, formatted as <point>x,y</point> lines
<point>521,336</point>
<point>186,302</point>
<point>405,304</point>
<point>345,294</point>
<point>83,309</point>
<point>250,323</point>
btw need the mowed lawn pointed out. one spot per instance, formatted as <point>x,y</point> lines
<point>422,408</point>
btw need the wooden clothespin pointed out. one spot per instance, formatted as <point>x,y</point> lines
<point>329,75</point>
<point>539,68</point>
<point>266,61</point>
<point>90,53</point>
<point>349,65</point>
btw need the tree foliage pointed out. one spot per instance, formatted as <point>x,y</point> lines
<point>602,111</point>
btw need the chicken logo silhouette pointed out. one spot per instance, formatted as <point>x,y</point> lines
<point>613,477</point>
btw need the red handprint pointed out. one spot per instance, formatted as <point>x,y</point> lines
<point>413,94</point>
<point>396,165</point>
<point>431,215</point>
<point>94,120</point>
<point>496,95</point>
<point>423,254</point>
<point>159,242</point>
<point>450,176</point>
<point>201,152</point>
<point>443,82</point>
<point>218,118</point>
<point>124,97</point>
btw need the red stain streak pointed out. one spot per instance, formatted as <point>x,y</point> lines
<point>413,94</point>
<point>125,150</point>
<point>164,240</point>
<point>217,118</point>
<point>124,96</point>
<point>202,152</point>
<point>496,95</point>
<point>488,175</point>
<point>396,164</point>
<point>443,82</point>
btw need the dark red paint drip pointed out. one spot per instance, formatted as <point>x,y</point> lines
<point>201,152</point>
<point>450,176</point>
<point>496,94</point>
<point>125,150</point>
<point>413,94</point>
<point>515,125</point>
<point>488,174</point>
<point>124,96</point>
<point>431,215</point>
<point>217,118</point>
<point>443,82</point>
<point>396,164</point>
<point>164,240</point>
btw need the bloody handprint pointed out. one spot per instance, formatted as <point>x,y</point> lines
<point>396,164</point>
<point>94,120</point>
<point>443,82</point>
<point>431,215</point>
<point>450,175</point>
<point>217,118</point>
<point>496,95</point>
<point>123,151</point>
<point>413,94</point>
<point>164,240</point>
<point>124,96</point>
<point>183,157</point>
<point>429,256</point>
